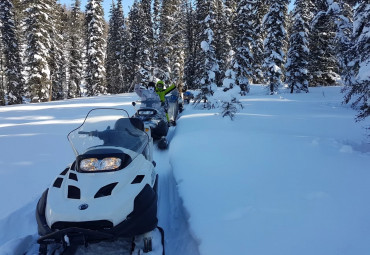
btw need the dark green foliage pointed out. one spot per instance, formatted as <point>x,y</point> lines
<point>95,48</point>
<point>274,24</point>
<point>191,48</point>
<point>11,66</point>
<point>242,61</point>
<point>323,67</point>
<point>39,41</point>
<point>136,53</point>
<point>58,61</point>
<point>258,11</point>
<point>357,87</point>
<point>75,51</point>
<point>206,63</point>
<point>115,51</point>
<point>297,75</point>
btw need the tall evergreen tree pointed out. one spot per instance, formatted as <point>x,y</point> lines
<point>207,63</point>
<point>125,50</point>
<point>358,81</point>
<point>241,65</point>
<point>95,48</point>
<point>146,50</point>
<point>163,70</point>
<point>176,53</point>
<point>342,14</point>
<point>111,61</point>
<point>274,23</point>
<point>115,50</point>
<point>156,24</point>
<point>2,73</point>
<point>191,48</point>
<point>258,11</point>
<point>11,50</point>
<point>324,67</point>
<point>75,51</point>
<point>228,31</point>
<point>57,61</point>
<point>140,45</point>
<point>298,54</point>
<point>222,41</point>
<point>38,23</point>
<point>133,48</point>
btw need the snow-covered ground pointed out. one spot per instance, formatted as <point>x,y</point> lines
<point>290,175</point>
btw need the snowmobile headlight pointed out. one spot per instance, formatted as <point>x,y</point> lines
<point>89,164</point>
<point>94,164</point>
<point>110,163</point>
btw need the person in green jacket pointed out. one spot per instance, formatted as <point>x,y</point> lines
<point>162,92</point>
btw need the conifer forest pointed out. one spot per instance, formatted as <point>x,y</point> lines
<point>50,51</point>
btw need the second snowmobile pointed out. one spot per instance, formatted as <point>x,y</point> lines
<point>155,118</point>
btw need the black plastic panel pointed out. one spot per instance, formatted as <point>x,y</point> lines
<point>74,192</point>
<point>138,179</point>
<point>58,182</point>
<point>106,190</point>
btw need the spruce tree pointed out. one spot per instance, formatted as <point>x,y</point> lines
<point>163,70</point>
<point>115,47</point>
<point>145,56</point>
<point>274,23</point>
<point>2,73</point>
<point>156,25</point>
<point>342,14</point>
<point>57,60</point>
<point>75,51</point>
<point>323,67</point>
<point>358,80</point>
<point>38,23</point>
<point>241,66</point>
<point>191,48</point>
<point>176,53</point>
<point>258,11</point>
<point>222,42</point>
<point>111,59</point>
<point>95,48</point>
<point>228,31</point>
<point>125,50</point>
<point>207,63</point>
<point>298,55</point>
<point>140,44</point>
<point>12,60</point>
<point>133,48</point>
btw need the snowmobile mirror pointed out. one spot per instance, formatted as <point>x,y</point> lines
<point>133,103</point>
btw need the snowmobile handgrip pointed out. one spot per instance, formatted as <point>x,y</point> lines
<point>83,133</point>
<point>90,133</point>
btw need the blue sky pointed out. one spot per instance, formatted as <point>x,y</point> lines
<point>107,4</point>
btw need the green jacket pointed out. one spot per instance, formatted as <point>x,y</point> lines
<point>163,92</point>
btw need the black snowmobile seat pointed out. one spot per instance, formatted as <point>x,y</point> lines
<point>138,123</point>
<point>125,123</point>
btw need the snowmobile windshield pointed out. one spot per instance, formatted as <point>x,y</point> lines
<point>108,127</point>
<point>151,103</point>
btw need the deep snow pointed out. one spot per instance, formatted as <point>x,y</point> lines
<point>290,175</point>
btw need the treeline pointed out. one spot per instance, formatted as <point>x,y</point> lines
<point>53,52</point>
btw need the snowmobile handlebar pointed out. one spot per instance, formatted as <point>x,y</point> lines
<point>90,133</point>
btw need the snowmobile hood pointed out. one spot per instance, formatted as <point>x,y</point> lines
<point>103,196</point>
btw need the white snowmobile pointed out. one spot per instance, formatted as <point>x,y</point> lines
<point>108,193</point>
<point>151,113</point>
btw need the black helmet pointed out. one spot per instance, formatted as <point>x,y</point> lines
<point>151,84</point>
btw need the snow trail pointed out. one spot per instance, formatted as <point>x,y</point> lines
<point>171,213</point>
